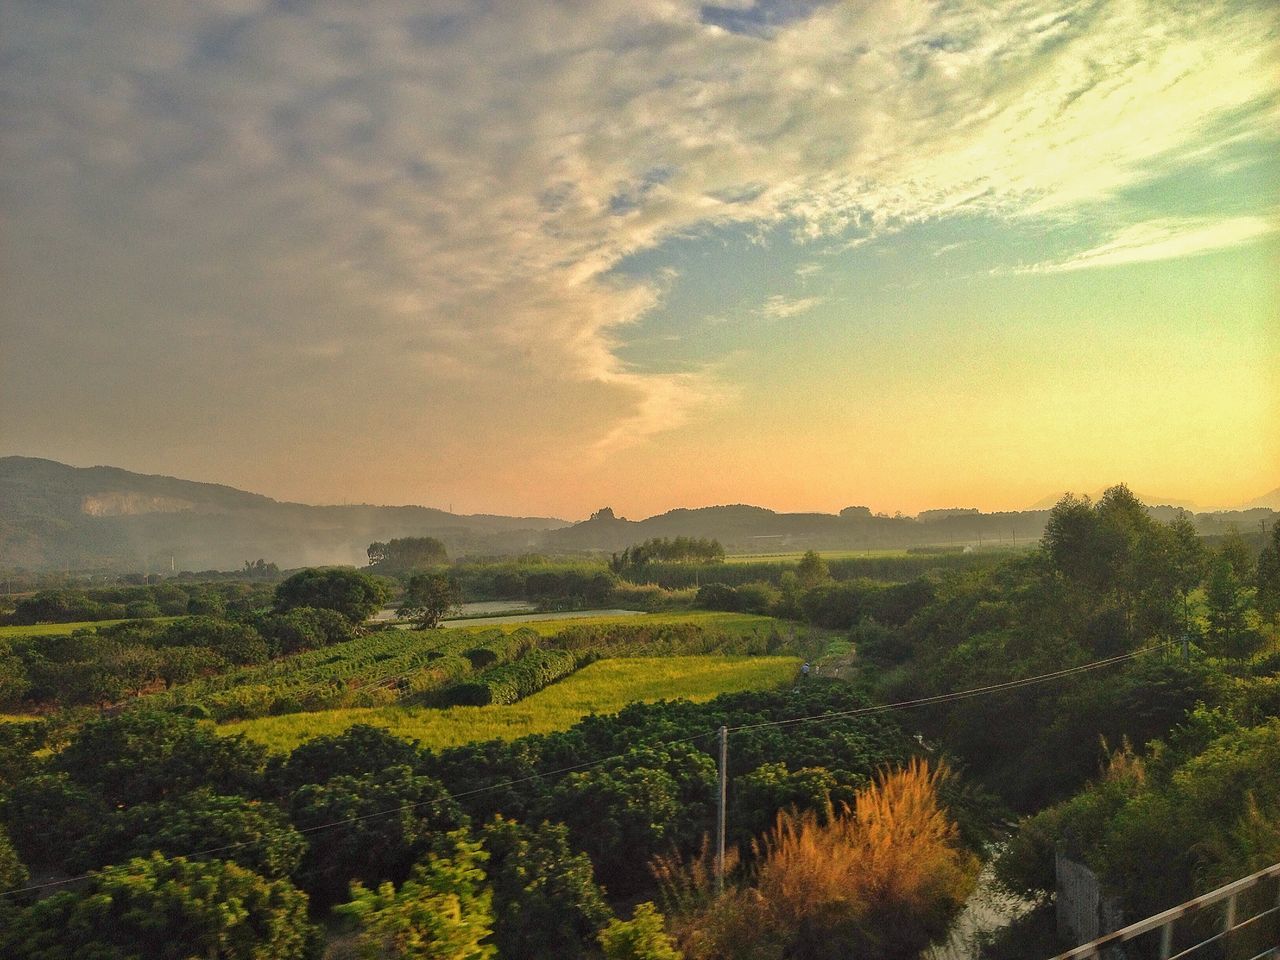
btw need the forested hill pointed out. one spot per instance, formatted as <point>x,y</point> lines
<point>55,516</point>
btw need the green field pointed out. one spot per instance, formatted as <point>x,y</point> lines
<point>603,687</point>
<point>51,629</point>
<point>732,624</point>
<point>793,556</point>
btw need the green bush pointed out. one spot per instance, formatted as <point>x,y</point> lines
<point>501,647</point>
<point>516,680</point>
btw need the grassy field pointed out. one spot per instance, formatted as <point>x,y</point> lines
<point>733,624</point>
<point>50,629</point>
<point>603,687</point>
<point>793,556</point>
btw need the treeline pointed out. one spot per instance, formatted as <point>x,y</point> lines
<point>889,568</point>
<point>312,609</point>
<point>1188,741</point>
<point>167,599</point>
<point>115,663</point>
<point>1191,798</point>
<point>513,850</point>
<point>668,549</point>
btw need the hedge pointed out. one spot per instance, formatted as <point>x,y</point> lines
<point>513,681</point>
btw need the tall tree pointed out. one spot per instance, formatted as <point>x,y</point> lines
<point>353,594</point>
<point>1268,597</point>
<point>429,598</point>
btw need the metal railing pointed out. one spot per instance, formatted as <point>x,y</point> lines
<point>1164,922</point>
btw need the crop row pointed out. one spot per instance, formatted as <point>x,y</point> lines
<point>516,680</point>
<point>370,671</point>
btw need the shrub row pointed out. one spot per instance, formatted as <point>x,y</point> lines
<point>498,647</point>
<point>514,681</point>
<point>668,639</point>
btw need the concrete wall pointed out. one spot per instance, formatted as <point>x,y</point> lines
<point>1083,912</point>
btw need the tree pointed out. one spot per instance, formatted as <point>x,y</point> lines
<point>429,598</point>
<point>547,905</point>
<point>388,820</point>
<point>158,909</point>
<point>638,805</point>
<point>359,750</point>
<point>47,816</point>
<point>812,570</point>
<point>257,835</point>
<point>407,553</point>
<point>1268,597</point>
<point>142,756</point>
<point>1226,609</point>
<point>357,596</point>
<point>442,912</point>
<point>12,872</point>
<point>640,938</point>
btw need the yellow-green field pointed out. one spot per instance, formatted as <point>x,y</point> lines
<point>50,629</point>
<point>602,687</point>
<point>734,624</point>
<point>793,556</point>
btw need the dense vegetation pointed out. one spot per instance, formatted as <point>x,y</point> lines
<point>468,816</point>
<point>854,834</point>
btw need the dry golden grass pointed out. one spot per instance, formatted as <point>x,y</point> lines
<point>882,878</point>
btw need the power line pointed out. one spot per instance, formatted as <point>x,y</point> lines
<point>957,694</point>
<point>587,765</point>
<point>590,764</point>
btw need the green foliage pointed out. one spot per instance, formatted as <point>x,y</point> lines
<point>406,553</point>
<point>371,670</point>
<point>144,756</point>
<point>547,905</point>
<point>47,816</point>
<point>18,745</point>
<point>812,570</point>
<point>1268,575</point>
<point>771,787</point>
<point>643,937</point>
<point>496,647</point>
<point>170,598</point>
<point>429,598</point>
<point>627,810</point>
<point>303,628</point>
<point>259,835</point>
<point>157,909</point>
<point>1226,634</point>
<point>443,912</point>
<point>516,680</point>
<point>394,818</point>
<point>1159,840</point>
<point>355,595</point>
<point>358,750</point>
<point>674,550</point>
<point>13,873</point>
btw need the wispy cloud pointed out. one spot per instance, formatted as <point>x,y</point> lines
<point>1162,240</point>
<point>779,307</point>
<point>448,186</point>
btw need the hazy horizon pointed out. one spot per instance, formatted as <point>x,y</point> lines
<point>536,259</point>
<point>1044,503</point>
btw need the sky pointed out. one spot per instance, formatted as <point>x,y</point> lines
<point>543,257</point>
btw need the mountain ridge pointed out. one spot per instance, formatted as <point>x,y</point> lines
<point>53,515</point>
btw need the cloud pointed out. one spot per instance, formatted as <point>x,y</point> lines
<point>449,187</point>
<point>1162,240</point>
<point>779,307</point>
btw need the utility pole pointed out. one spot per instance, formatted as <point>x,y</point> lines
<point>720,808</point>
